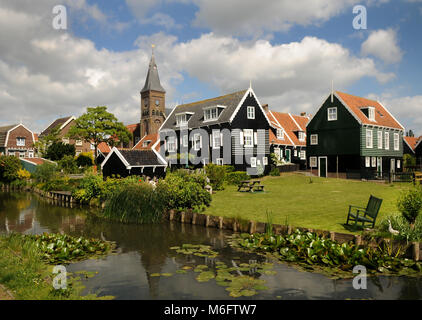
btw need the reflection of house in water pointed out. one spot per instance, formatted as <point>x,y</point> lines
<point>24,223</point>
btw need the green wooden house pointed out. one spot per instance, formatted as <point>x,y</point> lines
<point>350,136</point>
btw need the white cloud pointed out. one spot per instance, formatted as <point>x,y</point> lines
<point>383,45</point>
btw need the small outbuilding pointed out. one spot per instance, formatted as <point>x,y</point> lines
<point>30,164</point>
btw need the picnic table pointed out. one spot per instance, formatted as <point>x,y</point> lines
<point>250,186</point>
<point>417,178</point>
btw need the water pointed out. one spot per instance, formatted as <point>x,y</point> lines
<point>145,250</point>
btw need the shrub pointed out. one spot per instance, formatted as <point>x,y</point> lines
<point>134,203</point>
<point>234,178</point>
<point>217,175</point>
<point>85,159</point>
<point>58,150</point>
<point>399,223</point>
<point>68,164</point>
<point>275,172</point>
<point>408,161</point>
<point>23,174</point>
<point>45,172</point>
<point>410,204</point>
<point>90,187</point>
<point>9,168</point>
<point>178,192</point>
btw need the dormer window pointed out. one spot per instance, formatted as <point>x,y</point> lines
<point>301,136</point>
<point>182,119</point>
<point>146,143</point>
<point>280,134</point>
<point>213,113</point>
<point>369,112</point>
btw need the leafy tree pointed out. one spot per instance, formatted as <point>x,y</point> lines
<point>45,172</point>
<point>409,161</point>
<point>97,125</point>
<point>45,141</point>
<point>9,168</point>
<point>85,160</point>
<point>68,164</point>
<point>58,150</point>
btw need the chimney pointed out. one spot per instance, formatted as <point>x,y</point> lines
<point>265,107</point>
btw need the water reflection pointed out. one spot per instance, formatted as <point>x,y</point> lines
<point>145,250</point>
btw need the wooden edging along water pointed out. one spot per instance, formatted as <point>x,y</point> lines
<point>412,250</point>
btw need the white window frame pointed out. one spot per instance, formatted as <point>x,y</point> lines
<point>314,139</point>
<point>20,142</point>
<point>220,161</point>
<point>265,161</point>
<point>301,136</point>
<point>79,142</point>
<point>65,140</point>
<point>253,162</point>
<point>396,142</point>
<point>181,120</point>
<point>387,140</point>
<point>248,133</point>
<point>21,154</point>
<point>295,153</point>
<point>92,147</point>
<point>211,114</point>
<point>185,141</point>
<point>380,139</point>
<point>398,164</point>
<point>302,155</point>
<point>374,162</point>
<point>367,162</point>
<point>371,114</point>
<point>216,139</point>
<point>369,139</point>
<point>332,116</point>
<point>171,144</point>
<point>313,162</point>
<point>277,153</point>
<point>197,138</point>
<point>31,154</point>
<point>251,112</point>
<point>280,134</point>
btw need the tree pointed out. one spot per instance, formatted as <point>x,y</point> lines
<point>58,150</point>
<point>9,168</point>
<point>45,141</point>
<point>68,165</point>
<point>85,160</point>
<point>97,126</point>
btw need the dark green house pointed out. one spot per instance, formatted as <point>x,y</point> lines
<point>355,137</point>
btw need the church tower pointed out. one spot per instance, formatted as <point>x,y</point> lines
<point>153,101</point>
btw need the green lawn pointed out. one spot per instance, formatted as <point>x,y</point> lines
<point>292,199</point>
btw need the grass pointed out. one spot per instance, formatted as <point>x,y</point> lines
<point>23,272</point>
<point>299,201</point>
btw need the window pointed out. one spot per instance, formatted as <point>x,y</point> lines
<point>368,162</point>
<point>31,154</point>
<point>369,139</point>
<point>277,153</point>
<point>303,155</point>
<point>220,161</point>
<point>185,140</point>
<point>210,114</point>
<point>197,141</point>
<point>216,139</point>
<point>398,164</point>
<point>387,140</point>
<point>371,114</point>
<point>78,142</point>
<point>313,162</point>
<point>374,162</point>
<point>171,144</point>
<point>22,154</point>
<point>280,134</point>
<point>248,138</point>
<point>92,147</point>
<point>332,114</point>
<point>379,139</point>
<point>265,161</point>
<point>251,112</point>
<point>146,143</point>
<point>253,162</point>
<point>295,153</point>
<point>20,142</point>
<point>314,139</point>
<point>396,142</point>
<point>181,120</point>
<point>65,140</point>
<point>301,136</point>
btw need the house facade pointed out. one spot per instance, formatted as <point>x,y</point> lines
<point>64,125</point>
<point>288,137</point>
<point>350,135</point>
<point>17,140</point>
<point>228,130</point>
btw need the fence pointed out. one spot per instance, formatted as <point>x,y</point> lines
<point>381,176</point>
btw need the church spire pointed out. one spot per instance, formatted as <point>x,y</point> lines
<point>152,83</point>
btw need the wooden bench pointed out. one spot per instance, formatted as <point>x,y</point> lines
<point>250,186</point>
<point>417,178</point>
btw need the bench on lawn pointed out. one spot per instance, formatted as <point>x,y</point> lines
<point>250,186</point>
<point>365,215</point>
<point>417,178</point>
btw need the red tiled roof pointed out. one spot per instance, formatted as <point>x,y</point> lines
<point>382,116</point>
<point>35,137</point>
<point>104,148</point>
<point>291,124</point>
<point>36,161</point>
<point>411,141</point>
<point>132,127</point>
<point>151,137</point>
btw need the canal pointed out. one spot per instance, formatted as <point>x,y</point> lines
<point>145,251</point>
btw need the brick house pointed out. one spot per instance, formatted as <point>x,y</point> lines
<point>17,140</point>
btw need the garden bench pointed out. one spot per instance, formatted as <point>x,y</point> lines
<point>365,215</point>
<point>250,186</point>
<point>417,178</point>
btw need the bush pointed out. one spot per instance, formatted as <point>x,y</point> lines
<point>45,172</point>
<point>58,150</point>
<point>182,192</point>
<point>85,159</point>
<point>9,168</point>
<point>134,203</point>
<point>234,178</point>
<point>217,175</point>
<point>408,161</point>
<point>68,165</point>
<point>23,174</point>
<point>399,223</point>
<point>275,172</point>
<point>410,204</point>
<point>90,187</point>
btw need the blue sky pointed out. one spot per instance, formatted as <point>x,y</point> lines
<point>290,50</point>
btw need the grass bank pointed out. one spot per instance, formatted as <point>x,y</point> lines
<point>24,272</point>
<point>301,201</point>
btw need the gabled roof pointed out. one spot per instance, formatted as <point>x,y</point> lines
<point>104,148</point>
<point>152,81</point>
<point>61,123</point>
<point>290,124</point>
<point>137,158</point>
<point>383,117</point>
<point>419,142</point>
<point>231,103</point>
<point>411,142</point>
<point>3,134</point>
<point>151,137</point>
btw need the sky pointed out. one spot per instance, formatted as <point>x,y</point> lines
<point>291,51</point>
